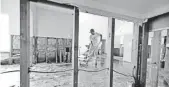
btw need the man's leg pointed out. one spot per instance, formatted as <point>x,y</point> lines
<point>95,57</point>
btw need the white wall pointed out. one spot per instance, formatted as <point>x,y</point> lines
<point>127,47</point>
<point>47,23</point>
<point>122,27</point>
<point>0,6</point>
<point>4,33</point>
<point>9,22</point>
<point>54,23</point>
<point>124,32</point>
<point>12,9</point>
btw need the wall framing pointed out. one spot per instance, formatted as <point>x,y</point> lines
<point>25,42</point>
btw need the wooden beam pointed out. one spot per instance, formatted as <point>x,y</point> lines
<point>112,26</point>
<point>31,51</point>
<point>144,54</point>
<point>167,53</point>
<point>46,49</point>
<point>155,61</point>
<point>110,51</point>
<point>11,51</point>
<point>60,51</point>
<point>134,54</point>
<point>75,47</point>
<point>166,68</point>
<point>36,49</point>
<point>48,2</point>
<point>56,55</point>
<point>25,42</point>
<point>160,29</point>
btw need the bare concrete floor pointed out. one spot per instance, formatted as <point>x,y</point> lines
<point>160,78</point>
<point>64,79</point>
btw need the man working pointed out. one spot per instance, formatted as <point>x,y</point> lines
<point>95,44</point>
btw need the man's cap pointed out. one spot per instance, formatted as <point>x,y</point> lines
<point>91,30</point>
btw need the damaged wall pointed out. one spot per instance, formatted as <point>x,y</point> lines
<point>54,24</point>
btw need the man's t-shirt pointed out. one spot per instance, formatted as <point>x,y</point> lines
<point>95,39</point>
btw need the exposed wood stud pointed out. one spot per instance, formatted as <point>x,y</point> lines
<point>11,53</point>
<point>25,42</point>
<point>144,54</point>
<point>36,49</point>
<point>135,41</point>
<point>156,47</point>
<point>110,49</point>
<point>46,49</point>
<point>60,55</point>
<point>64,50</point>
<point>56,55</point>
<point>167,53</point>
<point>48,2</point>
<point>75,47</point>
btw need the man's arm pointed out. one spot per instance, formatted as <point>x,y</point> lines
<point>100,37</point>
<point>91,40</point>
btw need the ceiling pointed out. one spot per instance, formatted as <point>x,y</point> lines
<point>138,6</point>
<point>136,9</point>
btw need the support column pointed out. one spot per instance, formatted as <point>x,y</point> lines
<point>11,51</point>
<point>166,67</point>
<point>25,42</point>
<point>110,51</point>
<point>31,36</point>
<point>155,55</point>
<point>144,54</point>
<point>75,47</point>
<point>134,53</point>
<point>167,53</point>
<point>33,33</point>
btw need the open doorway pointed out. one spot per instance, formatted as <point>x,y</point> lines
<point>123,62</point>
<point>123,39</point>
<point>92,46</point>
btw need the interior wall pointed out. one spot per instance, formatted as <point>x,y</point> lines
<point>127,47</point>
<point>11,8</point>
<point>10,22</point>
<point>42,22</point>
<point>54,23</point>
<point>123,37</point>
<point>4,33</point>
<point>49,22</point>
<point>0,6</point>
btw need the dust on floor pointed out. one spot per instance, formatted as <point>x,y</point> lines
<point>64,79</point>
